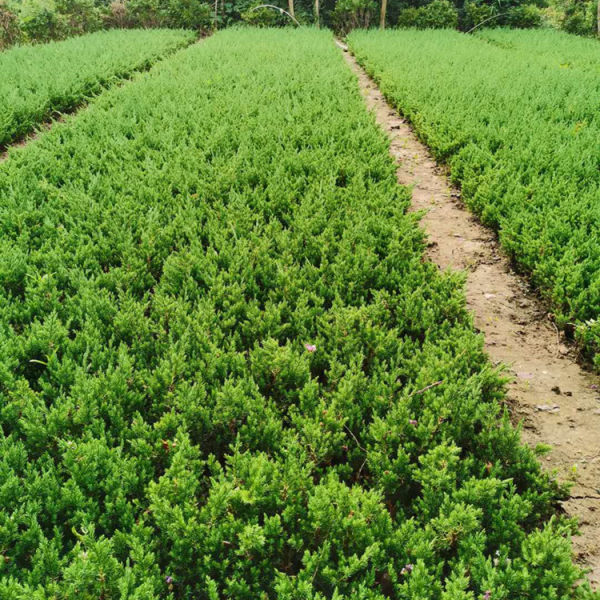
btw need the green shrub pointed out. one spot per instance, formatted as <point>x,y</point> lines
<point>438,14</point>
<point>525,16</point>
<point>79,16</point>
<point>39,21</point>
<point>408,17</point>
<point>227,370</point>
<point>144,13</point>
<point>521,16</point>
<point>475,12</point>
<point>41,81</point>
<point>260,17</point>
<point>579,17</point>
<point>187,14</point>
<point>461,93</point>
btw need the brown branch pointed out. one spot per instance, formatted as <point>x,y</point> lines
<point>427,387</point>
<point>355,438</point>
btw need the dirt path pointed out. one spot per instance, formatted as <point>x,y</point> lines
<point>29,137</point>
<point>558,403</point>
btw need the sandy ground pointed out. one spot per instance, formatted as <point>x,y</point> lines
<point>557,401</point>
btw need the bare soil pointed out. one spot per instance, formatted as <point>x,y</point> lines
<point>23,141</point>
<point>557,402</point>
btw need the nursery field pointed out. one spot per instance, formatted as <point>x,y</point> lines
<point>555,48</point>
<point>37,82</point>
<point>226,369</point>
<point>515,115</point>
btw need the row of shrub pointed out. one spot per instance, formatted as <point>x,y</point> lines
<point>574,16</point>
<point>515,116</point>
<point>226,370</point>
<point>41,81</point>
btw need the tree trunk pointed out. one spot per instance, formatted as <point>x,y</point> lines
<point>317,17</point>
<point>291,8</point>
<point>382,15</point>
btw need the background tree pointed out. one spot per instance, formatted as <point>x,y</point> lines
<point>42,20</point>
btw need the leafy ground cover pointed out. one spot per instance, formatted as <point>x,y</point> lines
<point>39,81</point>
<point>548,45</point>
<point>226,370</point>
<point>519,129</point>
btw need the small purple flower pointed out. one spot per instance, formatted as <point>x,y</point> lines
<point>310,347</point>
<point>487,595</point>
<point>169,579</point>
<point>413,422</point>
<point>407,569</point>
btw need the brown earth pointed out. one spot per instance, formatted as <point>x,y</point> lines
<point>19,143</point>
<point>557,402</point>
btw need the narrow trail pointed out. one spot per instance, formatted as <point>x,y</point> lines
<point>32,135</point>
<point>558,403</point>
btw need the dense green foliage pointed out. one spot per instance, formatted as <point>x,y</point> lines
<point>515,115</point>
<point>438,14</point>
<point>226,370</point>
<point>39,81</point>
<point>43,20</point>
<point>443,14</point>
<point>551,47</point>
<point>574,16</point>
